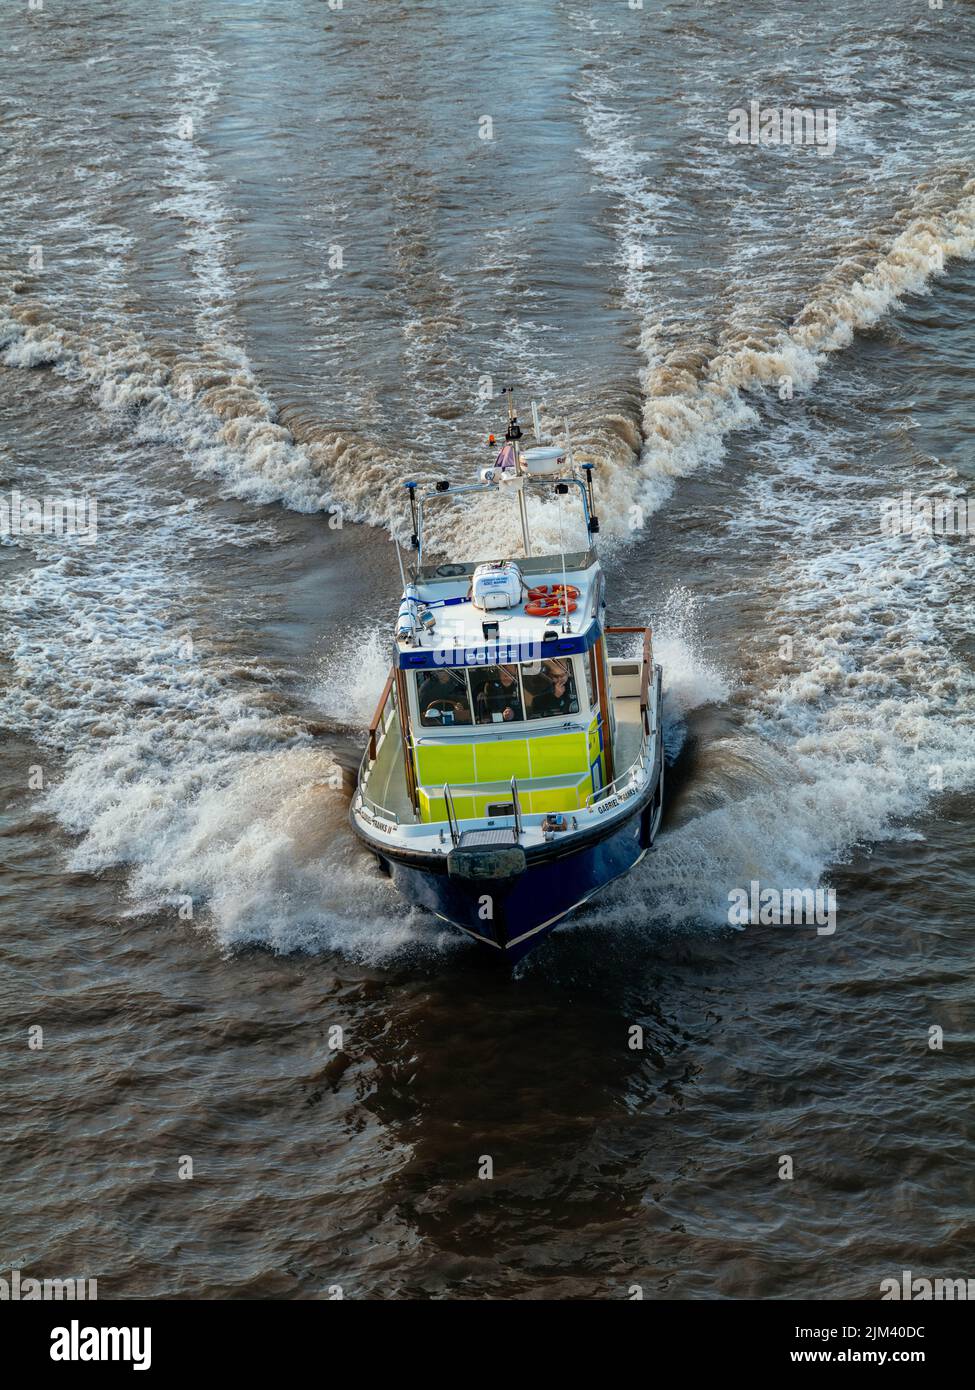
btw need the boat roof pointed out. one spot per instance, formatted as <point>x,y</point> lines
<point>458,638</point>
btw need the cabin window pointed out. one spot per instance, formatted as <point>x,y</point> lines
<point>551,690</point>
<point>496,692</point>
<point>443,698</point>
<point>546,689</point>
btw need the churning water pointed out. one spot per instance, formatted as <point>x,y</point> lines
<point>257,265</point>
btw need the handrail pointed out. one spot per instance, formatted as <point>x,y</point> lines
<point>525,481</point>
<point>451,816</point>
<point>610,787</point>
<point>377,718</point>
<point>516,804</point>
<point>386,709</point>
<point>454,823</point>
<point>384,811</point>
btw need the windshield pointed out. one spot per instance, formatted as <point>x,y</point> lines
<point>497,694</point>
<point>551,691</point>
<point>443,698</point>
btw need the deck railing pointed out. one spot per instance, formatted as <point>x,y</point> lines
<point>647,731</point>
<point>383,812</point>
<point>634,768</point>
<point>451,814</point>
<point>478,788</point>
<point>378,729</point>
<point>516,806</point>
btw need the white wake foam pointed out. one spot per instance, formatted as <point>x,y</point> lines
<point>844,744</point>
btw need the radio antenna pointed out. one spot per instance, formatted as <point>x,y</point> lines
<point>565,590</point>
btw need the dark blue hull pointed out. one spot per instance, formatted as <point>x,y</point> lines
<point>512,916</point>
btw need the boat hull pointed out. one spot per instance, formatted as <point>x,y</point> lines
<point>512,914</point>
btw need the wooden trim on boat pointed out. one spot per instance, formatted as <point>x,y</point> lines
<point>377,718</point>
<point>403,710</point>
<point>599,656</point>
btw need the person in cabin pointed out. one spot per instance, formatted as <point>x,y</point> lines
<point>442,698</point>
<point>499,697</point>
<point>555,693</point>
<point>536,680</point>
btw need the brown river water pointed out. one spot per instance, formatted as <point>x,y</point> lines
<point>257,264</point>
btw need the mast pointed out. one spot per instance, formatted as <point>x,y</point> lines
<point>512,435</point>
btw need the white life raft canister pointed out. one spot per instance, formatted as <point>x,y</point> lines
<point>496,585</point>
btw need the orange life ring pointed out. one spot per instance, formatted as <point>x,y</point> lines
<point>550,610</point>
<point>545,593</point>
<point>551,600</point>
